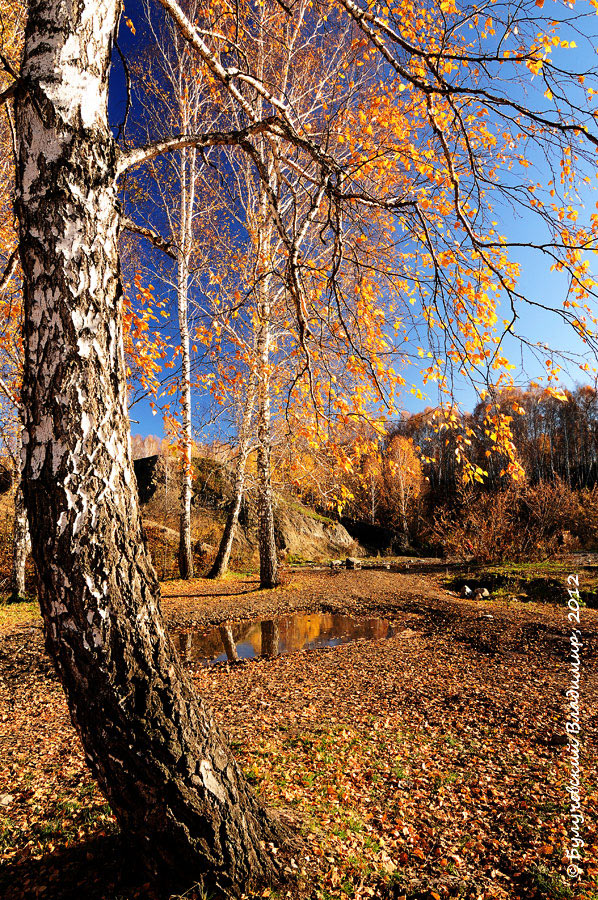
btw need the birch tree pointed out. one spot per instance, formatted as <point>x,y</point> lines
<point>302,68</point>
<point>173,94</point>
<point>150,742</point>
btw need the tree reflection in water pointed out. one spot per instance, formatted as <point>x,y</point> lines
<point>271,637</point>
<point>230,648</point>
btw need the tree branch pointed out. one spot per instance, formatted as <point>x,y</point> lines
<point>444,88</point>
<point>10,269</point>
<point>153,237</point>
<point>211,139</point>
<point>226,75</point>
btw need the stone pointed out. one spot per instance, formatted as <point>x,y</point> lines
<point>352,563</point>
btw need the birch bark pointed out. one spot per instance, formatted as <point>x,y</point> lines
<point>149,741</point>
<point>187,209</point>
<point>265,501</point>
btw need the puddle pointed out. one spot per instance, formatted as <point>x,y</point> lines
<point>271,637</point>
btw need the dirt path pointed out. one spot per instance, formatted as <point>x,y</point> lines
<point>415,601</point>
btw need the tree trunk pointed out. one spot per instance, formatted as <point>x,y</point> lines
<point>187,204</point>
<point>222,560</point>
<point>372,498</point>
<point>266,540</point>
<point>265,501</point>
<point>152,745</point>
<point>21,543</point>
<point>403,502</point>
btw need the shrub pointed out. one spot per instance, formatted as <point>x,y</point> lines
<point>520,522</point>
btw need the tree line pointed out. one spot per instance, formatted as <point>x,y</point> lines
<point>415,480</point>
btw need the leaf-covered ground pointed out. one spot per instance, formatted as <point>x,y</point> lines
<point>426,765</point>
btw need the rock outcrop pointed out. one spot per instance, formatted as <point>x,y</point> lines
<point>150,472</point>
<point>300,534</point>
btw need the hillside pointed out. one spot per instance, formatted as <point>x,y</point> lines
<point>302,535</point>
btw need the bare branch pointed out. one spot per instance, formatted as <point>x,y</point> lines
<point>153,237</point>
<point>122,126</point>
<point>211,139</point>
<point>226,75</point>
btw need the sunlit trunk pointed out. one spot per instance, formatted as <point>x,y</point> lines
<point>220,566</point>
<point>265,499</point>
<point>265,496</point>
<point>187,204</point>
<point>150,742</point>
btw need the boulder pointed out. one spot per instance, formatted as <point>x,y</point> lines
<point>150,471</point>
<point>302,534</point>
<point>352,563</point>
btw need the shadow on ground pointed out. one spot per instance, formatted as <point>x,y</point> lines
<point>95,869</point>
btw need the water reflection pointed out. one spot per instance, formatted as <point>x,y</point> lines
<point>228,642</point>
<point>271,637</point>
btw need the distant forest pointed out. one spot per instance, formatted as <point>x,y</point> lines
<point>418,481</point>
<point>436,481</point>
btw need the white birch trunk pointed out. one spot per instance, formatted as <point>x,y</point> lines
<point>220,566</point>
<point>187,206</point>
<point>151,743</point>
<point>266,540</point>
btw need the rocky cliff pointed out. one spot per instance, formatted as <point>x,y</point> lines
<point>301,534</point>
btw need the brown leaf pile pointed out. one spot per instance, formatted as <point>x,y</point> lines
<point>427,765</point>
